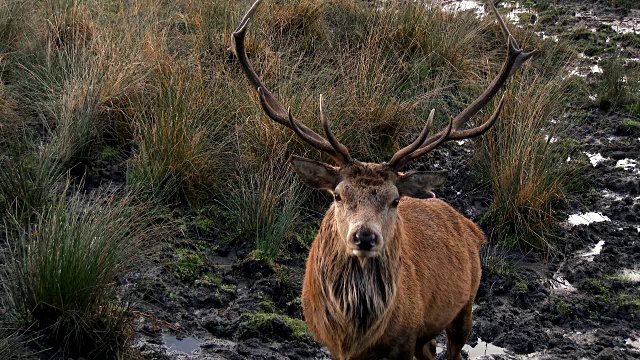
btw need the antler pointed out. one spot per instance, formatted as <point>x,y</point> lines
<point>276,111</point>
<point>422,145</point>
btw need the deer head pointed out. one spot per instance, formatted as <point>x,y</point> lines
<point>366,195</point>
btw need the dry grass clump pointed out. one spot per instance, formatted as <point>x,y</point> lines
<point>79,76</point>
<point>69,24</point>
<point>12,22</point>
<point>9,126</point>
<point>529,172</point>
<point>178,136</point>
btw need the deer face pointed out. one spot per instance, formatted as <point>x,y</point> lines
<point>366,198</point>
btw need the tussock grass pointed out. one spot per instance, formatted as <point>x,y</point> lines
<point>180,139</point>
<point>618,86</point>
<point>10,124</point>
<point>12,16</point>
<point>64,268</point>
<point>78,78</point>
<point>264,201</point>
<point>26,181</point>
<point>529,172</point>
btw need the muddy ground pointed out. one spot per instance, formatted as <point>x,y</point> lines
<point>202,301</point>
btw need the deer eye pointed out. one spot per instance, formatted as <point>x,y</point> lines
<point>395,202</point>
<point>337,197</point>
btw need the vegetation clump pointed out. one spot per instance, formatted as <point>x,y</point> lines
<point>528,171</point>
<point>629,127</point>
<point>618,86</point>
<point>64,266</point>
<point>272,321</point>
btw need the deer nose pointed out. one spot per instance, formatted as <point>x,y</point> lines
<point>365,239</point>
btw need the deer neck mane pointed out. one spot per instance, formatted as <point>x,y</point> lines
<point>359,292</point>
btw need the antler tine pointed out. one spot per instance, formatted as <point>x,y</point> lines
<point>400,154</point>
<point>418,153</point>
<point>293,124</point>
<point>479,130</point>
<point>515,58</point>
<point>271,106</point>
<point>340,149</point>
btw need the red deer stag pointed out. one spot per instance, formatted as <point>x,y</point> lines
<point>389,268</point>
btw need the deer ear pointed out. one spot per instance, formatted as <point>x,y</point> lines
<point>418,184</point>
<point>315,174</point>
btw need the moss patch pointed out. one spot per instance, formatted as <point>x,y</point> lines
<point>268,321</point>
<point>629,127</point>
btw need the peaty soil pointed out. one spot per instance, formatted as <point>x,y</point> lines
<point>208,298</point>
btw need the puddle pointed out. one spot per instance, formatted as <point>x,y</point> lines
<point>611,195</point>
<point>551,139</point>
<point>627,164</point>
<point>630,275</point>
<point>454,6</point>
<point>596,158</point>
<point>586,218</point>
<point>483,348</point>
<point>596,250</point>
<point>516,10</point>
<point>560,284</point>
<point>187,345</point>
<point>633,343</point>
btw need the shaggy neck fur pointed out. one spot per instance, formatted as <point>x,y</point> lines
<point>358,292</point>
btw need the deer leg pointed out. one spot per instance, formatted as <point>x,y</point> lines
<point>426,350</point>
<point>458,332</point>
<point>403,351</point>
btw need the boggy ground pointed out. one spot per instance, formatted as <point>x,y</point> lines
<point>201,302</point>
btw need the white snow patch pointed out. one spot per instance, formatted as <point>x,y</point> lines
<point>596,250</point>
<point>627,164</point>
<point>631,275</point>
<point>596,158</point>
<point>483,348</point>
<point>611,195</point>
<point>586,218</point>
<point>464,5</point>
<point>551,139</point>
<point>560,284</point>
<point>633,342</point>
